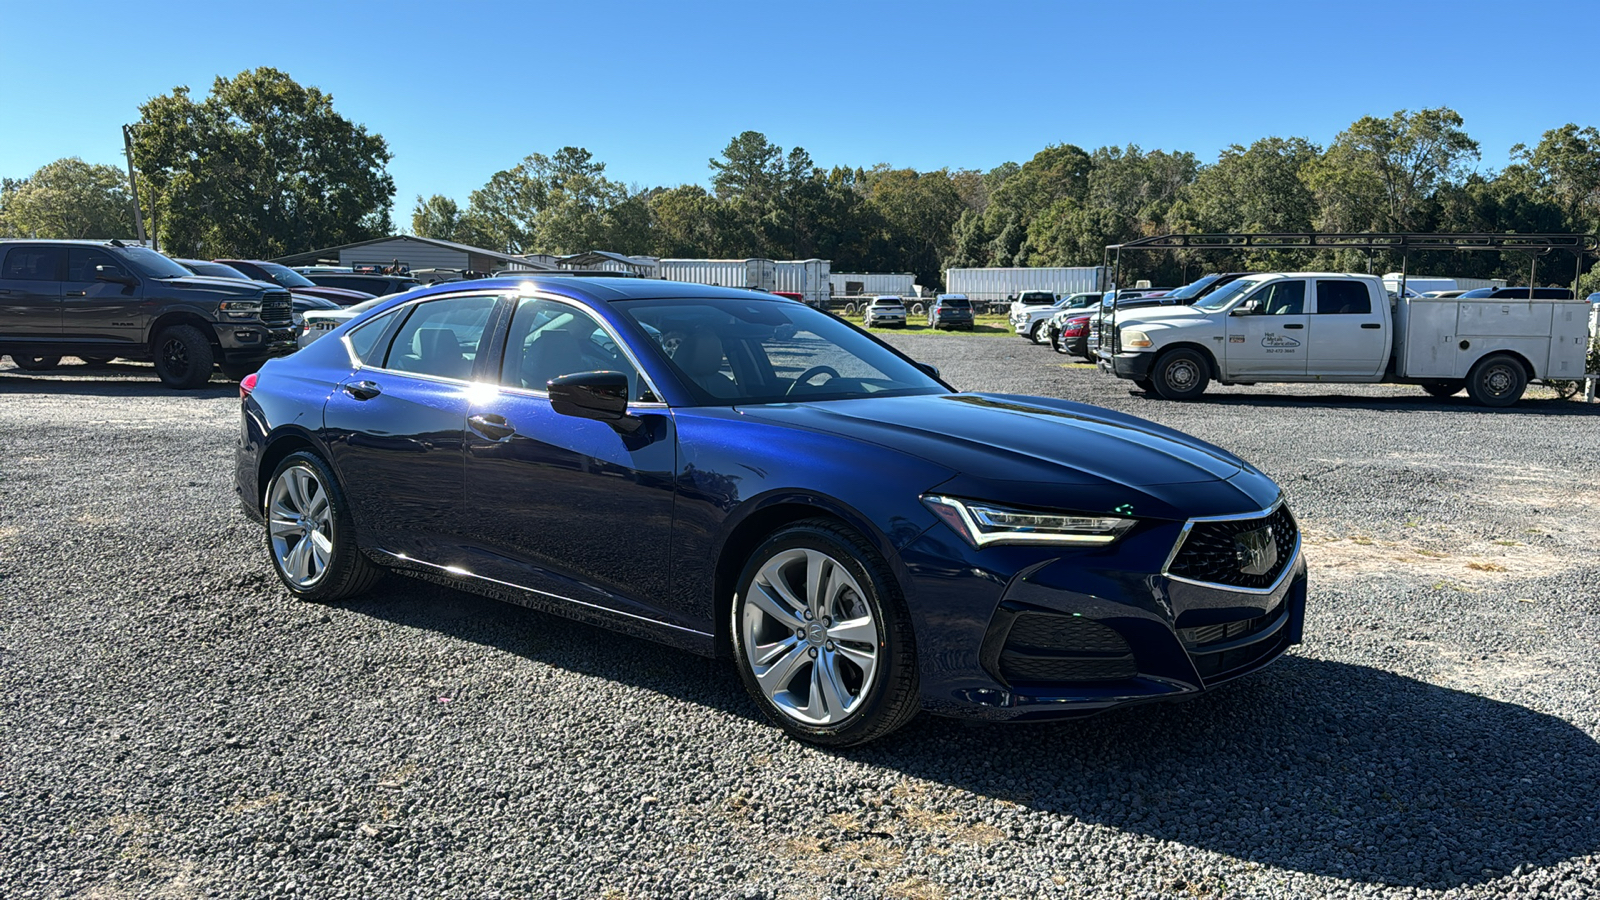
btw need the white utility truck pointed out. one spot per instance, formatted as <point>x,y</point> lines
<point>1330,327</point>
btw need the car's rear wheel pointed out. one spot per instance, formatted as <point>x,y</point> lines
<point>821,636</point>
<point>1498,380</point>
<point>35,363</point>
<point>310,534</point>
<point>183,357</point>
<point>1180,374</point>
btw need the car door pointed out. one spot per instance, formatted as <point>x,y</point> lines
<point>30,291</point>
<point>566,506</point>
<point>101,310</point>
<point>1344,334</point>
<point>1267,331</point>
<point>394,425</point>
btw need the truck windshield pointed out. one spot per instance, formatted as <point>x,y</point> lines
<point>154,265</point>
<point>1224,295</point>
<point>1194,289</point>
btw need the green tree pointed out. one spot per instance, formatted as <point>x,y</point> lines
<point>68,198</point>
<point>685,223</point>
<point>436,217</point>
<point>917,212</point>
<point>1058,172</point>
<point>1379,174</point>
<point>1260,188</point>
<point>561,203</point>
<point>261,167</point>
<point>1563,169</point>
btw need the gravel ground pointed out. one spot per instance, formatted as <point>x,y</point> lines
<point>173,725</point>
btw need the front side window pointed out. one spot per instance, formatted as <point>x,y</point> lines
<point>32,264</point>
<point>549,339</point>
<point>1281,298</point>
<point>83,264</point>
<point>1343,298</point>
<point>441,337</point>
<point>747,351</point>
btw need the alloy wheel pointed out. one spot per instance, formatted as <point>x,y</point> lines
<point>176,357</point>
<point>300,522</point>
<point>809,636</point>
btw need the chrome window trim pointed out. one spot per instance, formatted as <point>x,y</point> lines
<point>356,360</point>
<point>604,326</point>
<point>458,572</point>
<point>1188,526</point>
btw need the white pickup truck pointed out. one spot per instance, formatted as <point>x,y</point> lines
<point>1330,327</point>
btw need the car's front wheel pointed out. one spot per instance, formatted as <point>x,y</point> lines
<point>183,357</point>
<point>310,534</point>
<point>821,636</point>
<point>1180,374</point>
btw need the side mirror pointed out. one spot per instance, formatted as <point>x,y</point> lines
<point>113,275</point>
<point>1247,308</point>
<point>929,369</point>
<point>594,395</point>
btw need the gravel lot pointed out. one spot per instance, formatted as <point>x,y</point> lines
<point>174,725</point>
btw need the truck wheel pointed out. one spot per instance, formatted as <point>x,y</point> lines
<point>1180,374</point>
<point>1443,389</point>
<point>35,363</point>
<point>1497,380</point>
<point>238,371</point>
<point>851,309</point>
<point>183,357</point>
<point>918,309</point>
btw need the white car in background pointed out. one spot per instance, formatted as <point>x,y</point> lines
<point>318,322</point>
<point>887,310</point>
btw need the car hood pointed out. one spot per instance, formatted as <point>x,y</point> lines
<point>221,287</point>
<point>1174,315</point>
<point>1038,452</point>
<point>338,295</point>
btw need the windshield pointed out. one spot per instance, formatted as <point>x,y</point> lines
<point>1194,289</point>
<point>1224,295</point>
<point>1035,297</point>
<point>153,264</point>
<point>217,270</point>
<point>285,276</point>
<point>958,302</point>
<point>733,351</point>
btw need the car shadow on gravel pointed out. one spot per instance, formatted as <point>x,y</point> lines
<point>106,381</point>
<point>1320,767</point>
<point>1550,406</point>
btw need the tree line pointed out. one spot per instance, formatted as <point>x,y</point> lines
<point>264,167</point>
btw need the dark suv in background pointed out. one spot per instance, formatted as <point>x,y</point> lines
<point>290,280</point>
<point>376,285</point>
<point>101,301</point>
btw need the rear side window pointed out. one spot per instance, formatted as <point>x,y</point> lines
<point>441,337</point>
<point>364,337</point>
<point>32,264</point>
<point>1350,298</point>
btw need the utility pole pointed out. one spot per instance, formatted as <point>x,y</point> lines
<point>127,147</point>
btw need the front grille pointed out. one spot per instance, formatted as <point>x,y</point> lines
<point>1212,552</point>
<point>1046,647</point>
<point>276,310</point>
<point>1221,662</point>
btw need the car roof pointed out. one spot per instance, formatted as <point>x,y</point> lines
<point>598,290</point>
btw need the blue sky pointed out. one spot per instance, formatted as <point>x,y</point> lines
<point>653,89</point>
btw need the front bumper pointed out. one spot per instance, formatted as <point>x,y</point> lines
<point>1128,365</point>
<point>253,343</point>
<point>1161,638</point>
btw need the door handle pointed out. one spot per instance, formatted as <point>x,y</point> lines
<point>493,427</point>
<point>1373,325</point>
<point>1294,325</point>
<point>363,390</point>
<point>77,293</point>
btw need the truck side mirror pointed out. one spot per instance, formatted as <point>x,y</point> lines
<point>113,275</point>
<point>1247,308</point>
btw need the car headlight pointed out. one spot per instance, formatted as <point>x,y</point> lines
<point>982,524</point>
<point>1138,340</point>
<point>241,309</point>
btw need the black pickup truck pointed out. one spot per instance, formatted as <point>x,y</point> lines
<point>101,301</point>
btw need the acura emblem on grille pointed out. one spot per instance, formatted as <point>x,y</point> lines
<point>1258,552</point>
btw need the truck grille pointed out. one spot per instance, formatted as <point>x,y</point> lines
<point>1044,647</point>
<point>276,309</point>
<point>1232,553</point>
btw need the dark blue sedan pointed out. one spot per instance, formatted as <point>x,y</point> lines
<point>735,473</point>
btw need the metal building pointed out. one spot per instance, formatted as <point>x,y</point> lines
<point>416,253</point>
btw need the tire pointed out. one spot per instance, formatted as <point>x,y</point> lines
<point>859,682</point>
<point>183,357</point>
<point>1443,389</point>
<point>851,309</point>
<point>304,501</point>
<point>1180,374</point>
<point>35,363</point>
<point>238,371</point>
<point>918,309</point>
<point>97,360</point>
<point>1497,381</point>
